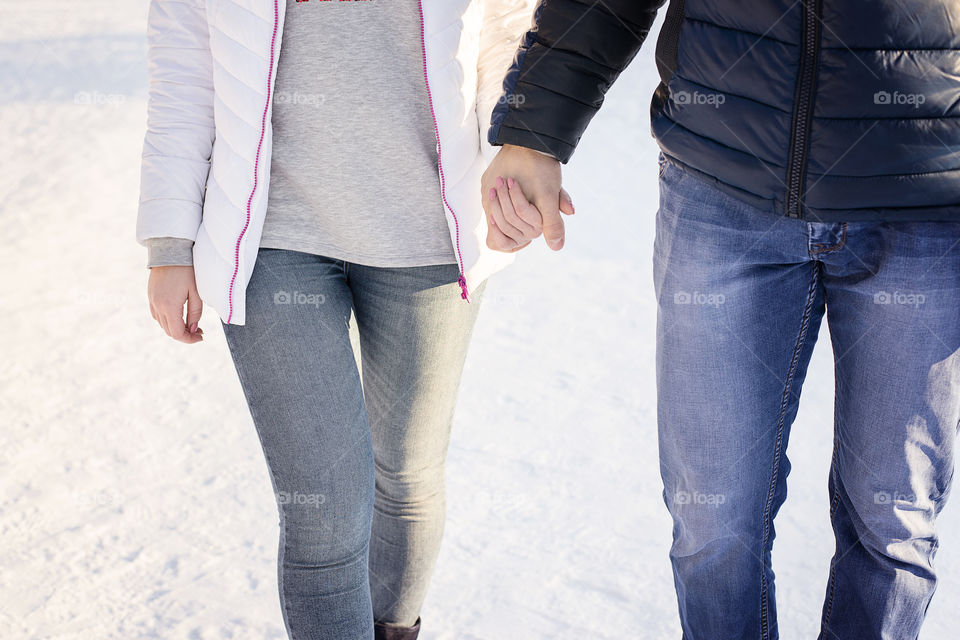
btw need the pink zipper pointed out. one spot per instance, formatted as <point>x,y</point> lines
<point>462,281</point>
<point>256,162</point>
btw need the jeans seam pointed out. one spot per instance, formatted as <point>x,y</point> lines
<point>283,540</point>
<point>834,503</point>
<point>286,553</point>
<point>283,535</point>
<point>778,449</point>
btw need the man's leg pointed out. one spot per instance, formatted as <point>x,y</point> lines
<point>740,301</point>
<point>893,300</point>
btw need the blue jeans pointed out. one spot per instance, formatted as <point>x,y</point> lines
<point>351,375</point>
<point>741,294</point>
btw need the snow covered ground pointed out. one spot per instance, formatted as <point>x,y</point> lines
<point>135,502</point>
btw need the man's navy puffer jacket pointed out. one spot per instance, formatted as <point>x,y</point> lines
<point>829,111</point>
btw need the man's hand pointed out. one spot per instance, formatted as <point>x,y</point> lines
<point>168,289</point>
<point>515,217</point>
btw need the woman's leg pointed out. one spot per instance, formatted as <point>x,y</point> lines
<point>300,378</point>
<point>414,332</point>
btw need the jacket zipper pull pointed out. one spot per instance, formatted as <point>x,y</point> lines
<point>463,288</point>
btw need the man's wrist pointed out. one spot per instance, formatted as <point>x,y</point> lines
<point>543,153</point>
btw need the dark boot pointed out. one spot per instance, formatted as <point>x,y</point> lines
<point>385,632</point>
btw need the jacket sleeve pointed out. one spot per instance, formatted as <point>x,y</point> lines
<point>568,60</point>
<point>180,123</point>
<point>504,22</point>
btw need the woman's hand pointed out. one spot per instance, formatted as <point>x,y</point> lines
<point>513,219</point>
<point>168,289</point>
<point>507,208</point>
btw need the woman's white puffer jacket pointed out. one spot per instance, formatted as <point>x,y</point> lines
<point>206,156</point>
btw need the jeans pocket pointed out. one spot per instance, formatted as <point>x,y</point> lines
<point>662,162</point>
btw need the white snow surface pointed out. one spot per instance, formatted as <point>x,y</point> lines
<point>135,502</point>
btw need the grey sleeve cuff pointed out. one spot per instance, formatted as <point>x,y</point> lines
<point>169,252</point>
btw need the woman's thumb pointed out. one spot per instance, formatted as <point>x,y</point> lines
<point>194,311</point>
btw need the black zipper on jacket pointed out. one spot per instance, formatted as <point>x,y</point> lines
<point>803,107</point>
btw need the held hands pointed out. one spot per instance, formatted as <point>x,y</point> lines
<point>516,217</point>
<point>168,289</point>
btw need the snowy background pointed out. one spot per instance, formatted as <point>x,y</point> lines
<point>135,502</point>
